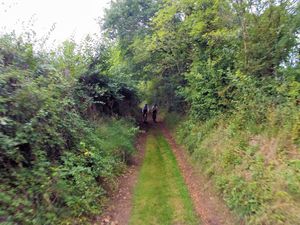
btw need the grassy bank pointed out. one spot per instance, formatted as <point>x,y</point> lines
<point>254,166</point>
<point>161,196</point>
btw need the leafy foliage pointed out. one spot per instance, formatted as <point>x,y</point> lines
<point>57,163</point>
<point>239,79</point>
<point>231,66</point>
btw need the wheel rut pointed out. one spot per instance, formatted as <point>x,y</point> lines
<point>209,207</point>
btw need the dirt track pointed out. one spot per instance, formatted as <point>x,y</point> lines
<point>209,207</point>
<point>119,207</point>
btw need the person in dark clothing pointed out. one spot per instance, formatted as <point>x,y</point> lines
<point>154,112</point>
<point>145,113</point>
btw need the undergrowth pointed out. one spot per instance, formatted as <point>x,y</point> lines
<point>61,144</point>
<point>72,189</point>
<point>253,162</point>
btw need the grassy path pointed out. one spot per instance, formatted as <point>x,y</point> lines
<point>161,196</point>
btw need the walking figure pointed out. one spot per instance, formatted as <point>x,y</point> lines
<point>154,112</point>
<point>145,113</point>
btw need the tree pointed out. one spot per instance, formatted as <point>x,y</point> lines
<point>268,34</point>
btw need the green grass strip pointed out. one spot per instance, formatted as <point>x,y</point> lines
<point>161,196</point>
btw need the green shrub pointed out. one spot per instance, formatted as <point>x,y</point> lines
<point>56,162</point>
<point>250,157</point>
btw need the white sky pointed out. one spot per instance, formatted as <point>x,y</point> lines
<point>72,18</point>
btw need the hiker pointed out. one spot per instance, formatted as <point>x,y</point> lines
<point>145,113</point>
<point>154,112</point>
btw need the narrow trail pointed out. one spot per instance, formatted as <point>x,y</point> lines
<point>161,196</point>
<point>210,208</point>
<point>125,207</point>
<point>119,206</point>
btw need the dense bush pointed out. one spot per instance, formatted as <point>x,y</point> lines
<point>252,153</point>
<point>57,160</point>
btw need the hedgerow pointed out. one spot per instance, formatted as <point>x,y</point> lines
<point>61,149</point>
